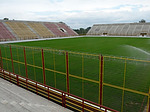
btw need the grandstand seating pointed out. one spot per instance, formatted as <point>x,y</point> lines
<point>148,31</point>
<point>55,29</point>
<point>126,29</point>
<point>145,27</point>
<point>95,30</point>
<point>113,29</point>
<point>138,29</point>
<point>108,29</point>
<point>131,30</point>
<point>118,30</point>
<point>60,29</point>
<point>5,34</point>
<point>67,29</point>
<point>21,30</point>
<point>41,30</point>
<point>102,30</point>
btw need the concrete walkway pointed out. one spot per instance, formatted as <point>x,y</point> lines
<point>17,99</point>
<point>30,40</point>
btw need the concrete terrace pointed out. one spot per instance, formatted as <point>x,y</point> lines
<point>17,99</point>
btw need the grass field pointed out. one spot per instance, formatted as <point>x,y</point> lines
<point>137,72</point>
<point>126,47</point>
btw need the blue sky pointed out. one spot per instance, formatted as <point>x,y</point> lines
<point>77,13</point>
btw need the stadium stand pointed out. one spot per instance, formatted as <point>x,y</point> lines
<point>119,29</point>
<point>145,27</point>
<point>41,30</point>
<point>108,29</point>
<point>138,29</point>
<point>55,29</point>
<point>124,29</point>
<point>131,30</point>
<point>113,29</point>
<point>64,28</point>
<point>5,34</point>
<point>23,30</point>
<point>149,31</point>
<point>103,30</point>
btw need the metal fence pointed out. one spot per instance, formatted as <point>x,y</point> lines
<point>119,83</point>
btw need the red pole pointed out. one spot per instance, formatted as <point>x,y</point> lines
<point>1,59</point>
<point>17,80</point>
<point>9,76</point>
<point>149,104</point>
<point>43,66</point>
<point>67,71</point>
<point>12,59</point>
<point>36,88</point>
<point>62,99</point>
<point>101,80</point>
<point>48,91</point>
<point>65,100</point>
<point>25,60</point>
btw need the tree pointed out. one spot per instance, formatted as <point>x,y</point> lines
<point>61,22</point>
<point>6,18</point>
<point>82,31</point>
<point>87,29</point>
<point>142,21</point>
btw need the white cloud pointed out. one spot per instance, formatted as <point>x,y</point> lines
<point>76,13</point>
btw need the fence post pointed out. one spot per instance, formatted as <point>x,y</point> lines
<point>36,88</point>
<point>54,68</point>
<point>43,66</point>
<point>149,100</point>
<point>63,99</point>
<point>11,59</point>
<point>101,81</point>
<point>1,59</point>
<point>17,80</point>
<point>124,80</point>
<point>149,106</point>
<point>48,92</point>
<point>82,76</point>
<point>25,60</point>
<point>82,105</point>
<point>67,72</point>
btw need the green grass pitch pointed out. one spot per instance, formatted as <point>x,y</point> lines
<point>126,47</point>
<point>137,73</point>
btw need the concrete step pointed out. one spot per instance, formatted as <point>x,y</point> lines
<point>10,30</point>
<point>32,30</point>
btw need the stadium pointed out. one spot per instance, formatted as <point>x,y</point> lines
<point>96,72</point>
<point>122,29</point>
